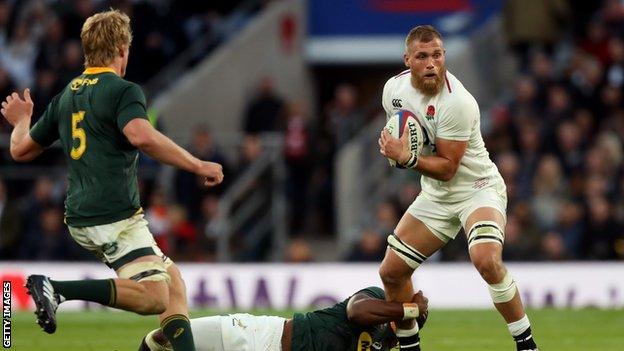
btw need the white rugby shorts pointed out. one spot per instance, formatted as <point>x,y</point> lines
<point>445,219</point>
<point>120,242</point>
<point>238,332</point>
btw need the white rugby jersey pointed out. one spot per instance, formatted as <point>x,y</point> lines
<point>452,114</point>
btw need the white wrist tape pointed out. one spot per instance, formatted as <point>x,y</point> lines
<point>410,311</point>
<point>412,162</point>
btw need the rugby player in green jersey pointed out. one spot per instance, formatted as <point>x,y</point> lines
<point>101,121</point>
<point>360,323</point>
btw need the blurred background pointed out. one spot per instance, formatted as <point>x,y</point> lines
<point>287,96</point>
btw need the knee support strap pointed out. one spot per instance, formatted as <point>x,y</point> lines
<point>145,271</point>
<point>503,291</point>
<point>485,232</point>
<point>410,255</point>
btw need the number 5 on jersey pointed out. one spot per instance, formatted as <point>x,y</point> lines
<point>78,133</point>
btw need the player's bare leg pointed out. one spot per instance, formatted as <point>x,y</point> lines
<point>413,243</point>
<point>174,321</point>
<point>484,227</point>
<point>144,298</point>
<point>142,289</point>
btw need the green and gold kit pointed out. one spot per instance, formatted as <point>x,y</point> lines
<point>88,117</point>
<point>331,330</point>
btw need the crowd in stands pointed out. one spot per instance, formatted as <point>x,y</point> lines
<point>557,138</point>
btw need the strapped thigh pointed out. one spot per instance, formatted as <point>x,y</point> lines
<point>485,232</point>
<point>145,271</point>
<point>410,255</point>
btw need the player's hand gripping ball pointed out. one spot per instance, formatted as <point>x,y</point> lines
<point>405,127</point>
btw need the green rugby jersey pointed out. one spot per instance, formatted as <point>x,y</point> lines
<point>88,117</point>
<point>331,330</point>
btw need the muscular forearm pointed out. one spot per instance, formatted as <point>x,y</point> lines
<point>375,311</point>
<point>436,167</point>
<point>18,140</point>
<point>163,149</point>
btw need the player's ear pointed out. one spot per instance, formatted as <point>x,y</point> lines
<point>122,51</point>
<point>406,59</point>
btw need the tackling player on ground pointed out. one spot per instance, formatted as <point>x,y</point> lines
<point>101,120</point>
<point>461,186</point>
<point>361,322</point>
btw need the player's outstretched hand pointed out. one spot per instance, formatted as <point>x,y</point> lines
<point>396,149</point>
<point>212,173</point>
<point>14,109</point>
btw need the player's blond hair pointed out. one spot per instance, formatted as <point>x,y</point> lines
<point>424,33</point>
<point>102,35</point>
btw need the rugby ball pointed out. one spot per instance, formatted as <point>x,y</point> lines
<point>396,125</point>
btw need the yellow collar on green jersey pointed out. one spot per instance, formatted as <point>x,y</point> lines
<point>96,70</point>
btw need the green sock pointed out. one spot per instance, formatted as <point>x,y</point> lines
<point>177,329</point>
<point>101,291</point>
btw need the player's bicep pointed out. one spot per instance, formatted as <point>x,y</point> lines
<point>452,150</point>
<point>364,295</point>
<point>357,305</point>
<point>139,131</point>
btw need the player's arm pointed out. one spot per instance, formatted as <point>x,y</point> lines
<point>18,112</point>
<point>366,310</point>
<point>454,127</point>
<point>146,138</point>
<point>445,163</point>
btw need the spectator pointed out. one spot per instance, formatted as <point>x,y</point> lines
<point>19,55</point>
<point>9,225</point>
<point>548,192</point>
<point>344,119</point>
<point>569,147</point>
<point>553,247</point>
<point>601,231</point>
<point>52,243</point>
<point>207,233</point>
<point>182,232</point>
<point>297,148</point>
<point>534,24</point>
<point>189,188</point>
<point>157,216</point>
<point>71,64</point>
<point>370,248</point>
<point>525,238</point>
<point>596,43</point>
<point>298,251</point>
<point>570,228</point>
<point>264,111</point>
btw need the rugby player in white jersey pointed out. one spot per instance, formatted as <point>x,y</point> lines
<point>461,186</point>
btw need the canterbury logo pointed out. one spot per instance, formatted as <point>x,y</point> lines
<point>398,103</point>
<point>178,332</point>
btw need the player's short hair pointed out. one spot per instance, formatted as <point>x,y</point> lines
<point>102,35</point>
<point>424,33</point>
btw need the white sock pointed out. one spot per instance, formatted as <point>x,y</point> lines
<point>407,332</point>
<point>518,327</point>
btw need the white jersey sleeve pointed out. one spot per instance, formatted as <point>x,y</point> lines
<point>386,100</point>
<point>458,119</point>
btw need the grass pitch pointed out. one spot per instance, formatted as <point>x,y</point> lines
<point>446,330</point>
